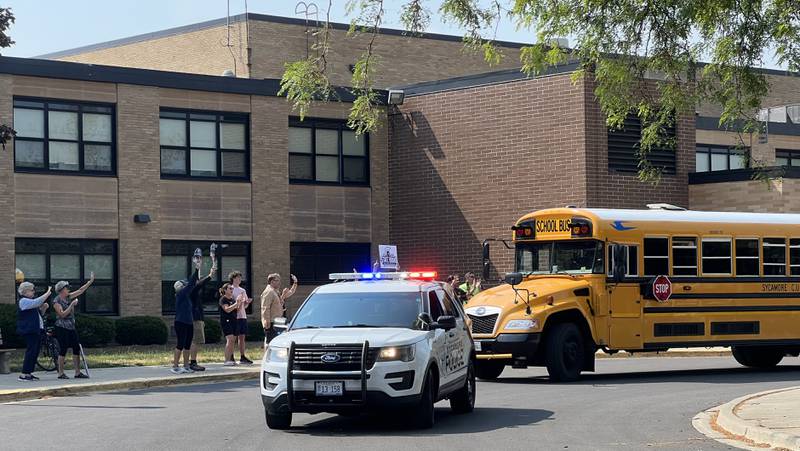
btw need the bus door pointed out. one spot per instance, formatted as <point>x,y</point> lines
<point>625,299</point>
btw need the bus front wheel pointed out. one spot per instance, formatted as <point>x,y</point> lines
<point>757,356</point>
<point>565,352</point>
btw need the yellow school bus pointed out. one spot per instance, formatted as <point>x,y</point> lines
<point>640,280</point>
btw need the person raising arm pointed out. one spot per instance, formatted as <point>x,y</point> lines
<point>65,303</point>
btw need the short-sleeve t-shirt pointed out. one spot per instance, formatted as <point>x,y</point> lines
<point>241,313</point>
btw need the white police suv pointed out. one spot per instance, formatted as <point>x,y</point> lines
<point>371,341</point>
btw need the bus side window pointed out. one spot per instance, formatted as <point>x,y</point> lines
<point>435,307</point>
<point>684,256</point>
<point>774,256</point>
<point>747,257</point>
<point>631,256</point>
<point>794,256</point>
<point>656,256</point>
<point>717,256</point>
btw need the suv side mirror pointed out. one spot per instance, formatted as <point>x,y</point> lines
<point>444,322</point>
<point>513,278</point>
<point>279,323</point>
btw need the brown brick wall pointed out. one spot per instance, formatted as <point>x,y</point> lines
<point>774,196</point>
<point>202,52</point>
<point>466,164</point>
<point>609,189</point>
<point>7,198</point>
<point>139,177</point>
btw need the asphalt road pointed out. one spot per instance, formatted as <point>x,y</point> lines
<point>629,404</point>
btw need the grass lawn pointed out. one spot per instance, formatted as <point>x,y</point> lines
<point>144,355</point>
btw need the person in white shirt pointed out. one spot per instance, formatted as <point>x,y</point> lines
<point>240,295</point>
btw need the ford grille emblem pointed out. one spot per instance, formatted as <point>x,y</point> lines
<point>330,358</point>
<point>481,310</point>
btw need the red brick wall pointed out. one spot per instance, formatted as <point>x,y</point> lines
<point>464,165</point>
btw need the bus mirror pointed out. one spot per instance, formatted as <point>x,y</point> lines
<point>514,278</point>
<point>485,269</point>
<point>619,263</point>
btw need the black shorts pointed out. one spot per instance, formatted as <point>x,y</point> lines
<point>228,327</point>
<point>185,333</point>
<point>67,339</point>
<point>241,326</point>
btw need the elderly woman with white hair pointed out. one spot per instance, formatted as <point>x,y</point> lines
<point>30,326</point>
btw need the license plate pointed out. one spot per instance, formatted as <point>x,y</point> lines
<point>478,346</point>
<point>329,388</point>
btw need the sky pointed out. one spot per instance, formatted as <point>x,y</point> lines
<point>45,26</point>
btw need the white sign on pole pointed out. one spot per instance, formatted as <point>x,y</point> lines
<point>388,256</point>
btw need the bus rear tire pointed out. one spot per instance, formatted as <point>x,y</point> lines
<point>488,370</point>
<point>565,353</point>
<point>757,356</point>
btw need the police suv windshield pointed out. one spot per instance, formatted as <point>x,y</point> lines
<point>553,257</point>
<point>395,309</point>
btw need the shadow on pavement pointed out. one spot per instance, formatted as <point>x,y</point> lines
<point>482,419</point>
<point>742,375</point>
<point>199,387</point>
<point>60,406</point>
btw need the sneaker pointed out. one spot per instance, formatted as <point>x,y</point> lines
<point>187,370</point>
<point>25,379</point>
<point>245,361</point>
<point>176,370</point>
<point>34,378</point>
<point>195,367</point>
<point>81,376</point>
<point>229,363</point>
<point>64,376</point>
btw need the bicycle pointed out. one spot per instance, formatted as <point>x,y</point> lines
<point>48,351</point>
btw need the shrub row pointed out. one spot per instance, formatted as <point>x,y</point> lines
<point>97,331</point>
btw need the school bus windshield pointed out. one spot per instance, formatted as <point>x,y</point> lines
<point>554,257</point>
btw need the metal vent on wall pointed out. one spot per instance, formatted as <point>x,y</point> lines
<point>624,142</point>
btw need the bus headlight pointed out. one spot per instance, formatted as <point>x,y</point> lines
<point>522,324</point>
<point>395,353</point>
<point>275,354</point>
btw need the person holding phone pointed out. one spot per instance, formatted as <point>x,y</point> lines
<point>227,319</point>
<point>30,326</point>
<point>64,304</point>
<point>240,295</point>
<point>273,304</point>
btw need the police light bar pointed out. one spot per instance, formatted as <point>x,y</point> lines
<point>427,275</point>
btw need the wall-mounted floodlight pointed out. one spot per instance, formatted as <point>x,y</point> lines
<point>396,96</point>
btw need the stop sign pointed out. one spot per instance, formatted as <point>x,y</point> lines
<point>662,288</point>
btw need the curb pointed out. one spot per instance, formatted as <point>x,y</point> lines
<point>729,421</point>
<point>131,384</point>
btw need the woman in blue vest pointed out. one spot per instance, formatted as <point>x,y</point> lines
<point>30,325</point>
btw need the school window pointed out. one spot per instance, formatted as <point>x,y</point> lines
<point>631,259</point>
<point>176,264</point>
<point>313,262</point>
<point>623,148</point>
<point>204,145</point>
<point>64,137</point>
<point>46,261</point>
<point>684,256</point>
<point>717,256</point>
<point>719,158</point>
<point>747,257</point>
<point>794,256</point>
<point>328,152</point>
<point>785,157</point>
<point>656,256</point>
<point>774,250</point>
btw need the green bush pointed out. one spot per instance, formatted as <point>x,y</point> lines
<point>94,331</point>
<point>213,331</point>
<point>141,330</point>
<point>8,327</point>
<point>255,332</point>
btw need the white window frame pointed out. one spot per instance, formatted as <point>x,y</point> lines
<point>785,263</point>
<point>696,254</point>
<point>627,258</point>
<point>791,246</point>
<point>715,239</point>
<point>747,257</point>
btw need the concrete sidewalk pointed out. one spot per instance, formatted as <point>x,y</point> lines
<point>767,419</point>
<point>120,378</point>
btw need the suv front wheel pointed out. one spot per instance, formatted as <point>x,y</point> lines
<point>425,416</point>
<point>463,400</point>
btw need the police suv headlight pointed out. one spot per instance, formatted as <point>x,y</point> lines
<point>396,353</point>
<point>522,324</point>
<point>275,354</point>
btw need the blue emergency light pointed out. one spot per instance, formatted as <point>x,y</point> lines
<point>424,275</point>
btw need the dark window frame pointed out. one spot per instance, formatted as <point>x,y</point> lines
<point>645,257</point>
<point>299,250</point>
<point>41,284</point>
<point>167,286</point>
<point>623,145</point>
<point>81,105</point>
<point>219,118</point>
<point>791,155</point>
<point>728,151</point>
<point>339,126</point>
